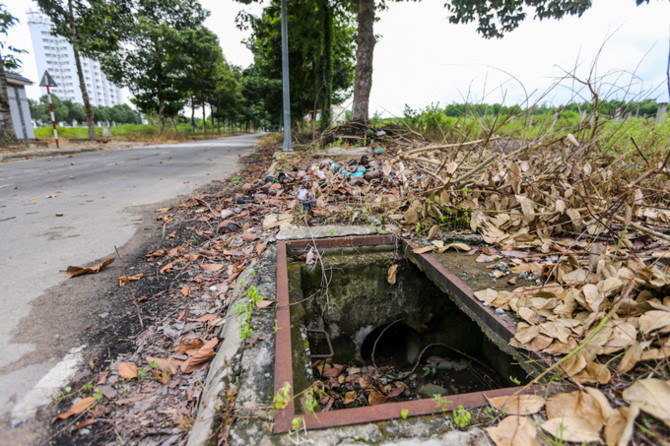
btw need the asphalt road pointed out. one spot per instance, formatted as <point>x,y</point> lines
<point>100,195</point>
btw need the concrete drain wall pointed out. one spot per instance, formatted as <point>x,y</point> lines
<point>359,305</point>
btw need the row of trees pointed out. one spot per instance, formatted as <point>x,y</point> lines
<point>612,108</point>
<point>68,111</point>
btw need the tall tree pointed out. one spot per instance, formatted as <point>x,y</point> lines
<point>155,54</point>
<point>7,60</point>
<point>90,27</point>
<point>494,18</point>
<point>321,60</point>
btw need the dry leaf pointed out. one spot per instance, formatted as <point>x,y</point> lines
<point>74,271</point>
<point>488,295</point>
<point>620,426</point>
<point>391,274</point>
<point>123,280</point>
<point>575,404</point>
<point>630,358</point>
<point>518,404</point>
<point>433,232</point>
<point>263,303</point>
<point>652,395</point>
<point>205,318</point>
<point>212,267</point>
<point>76,408</point>
<point>349,397</point>
<point>458,246</point>
<point>127,370</point>
<point>260,248</point>
<point>514,431</point>
<point>572,429</point>
<point>375,398</point>
<point>199,357</point>
<point>653,320</point>
<point>188,344</point>
<point>423,250</point>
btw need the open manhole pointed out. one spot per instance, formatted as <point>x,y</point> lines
<point>355,348</point>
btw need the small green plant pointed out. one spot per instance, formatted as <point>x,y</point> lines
<point>98,395</point>
<point>235,181</point>
<point>404,413</point>
<point>462,416</point>
<point>153,364</point>
<point>283,396</point>
<point>490,412</point>
<point>441,402</point>
<point>296,423</point>
<point>428,370</point>
<point>515,380</point>
<point>141,373</point>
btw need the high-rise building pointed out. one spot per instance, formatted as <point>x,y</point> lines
<point>55,54</point>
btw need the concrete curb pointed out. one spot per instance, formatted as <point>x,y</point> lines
<point>59,152</point>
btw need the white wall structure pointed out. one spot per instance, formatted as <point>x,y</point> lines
<point>55,54</point>
<point>18,105</point>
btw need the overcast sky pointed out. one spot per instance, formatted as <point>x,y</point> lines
<point>422,59</point>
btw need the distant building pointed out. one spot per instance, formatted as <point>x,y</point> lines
<point>55,54</point>
<point>18,105</point>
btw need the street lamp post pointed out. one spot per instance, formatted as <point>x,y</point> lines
<point>288,147</point>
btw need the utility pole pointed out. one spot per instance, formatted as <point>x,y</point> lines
<point>288,147</point>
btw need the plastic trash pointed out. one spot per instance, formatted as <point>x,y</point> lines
<point>378,151</point>
<point>303,194</point>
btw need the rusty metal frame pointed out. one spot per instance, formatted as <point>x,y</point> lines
<point>283,354</point>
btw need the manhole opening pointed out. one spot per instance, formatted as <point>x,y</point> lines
<point>422,343</point>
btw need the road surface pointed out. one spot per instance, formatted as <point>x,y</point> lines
<point>103,198</point>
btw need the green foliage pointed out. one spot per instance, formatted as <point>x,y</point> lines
<point>321,57</point>
<point>159,43</point>
<point>68,111</point>
<point>282,397</point>
<point>8,52</point>
<point>296,423</point>
<point>515,380</point>
<point>441,402</point>
<point>499,17</point>
<point>461,416</point>
<point>404,413</point>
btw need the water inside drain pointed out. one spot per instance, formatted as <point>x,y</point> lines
<point>423,343</point>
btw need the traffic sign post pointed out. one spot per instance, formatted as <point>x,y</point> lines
<point>47,81</point>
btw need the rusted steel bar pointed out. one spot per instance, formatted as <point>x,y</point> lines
<point>330,346</point>
<point>283,356</point>
<point>338,242</point>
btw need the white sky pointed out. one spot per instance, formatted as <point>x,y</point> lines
<point>422,59</point>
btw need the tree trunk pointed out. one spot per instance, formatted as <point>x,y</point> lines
<point>204,117</point>
<point>80,73</point>
<point>7,132</point>
<point>193,114</point>
<point>161,118</point>
<point>211,115</point>
<point>327,61</point>
<point>364,52</point>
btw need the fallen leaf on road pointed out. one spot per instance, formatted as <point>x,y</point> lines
<point>127,370</point>
<point>74,271</point>
<point>212,267</point>
<point>123,280</point>
<point>76,408</point>
<point>59,214</point>
<point>163,210</point>
<point>199,357</point>
<point>205,318</point>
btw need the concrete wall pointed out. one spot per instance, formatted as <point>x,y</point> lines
<point>20,111</point>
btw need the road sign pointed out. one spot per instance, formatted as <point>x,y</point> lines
<point>47,80</point>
